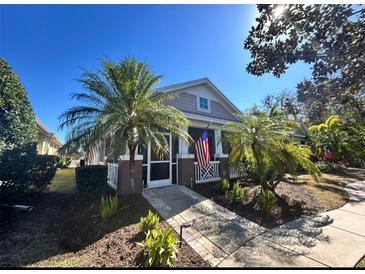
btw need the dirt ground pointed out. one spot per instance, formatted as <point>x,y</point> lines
<point>296,199</point>
<point>63,231</point>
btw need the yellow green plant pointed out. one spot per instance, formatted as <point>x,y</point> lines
<point>149,222</point>
<point>267,200</point>
<point>108,206</point>
<point>223,185</point>
<point>161,247</point>
<point>238,193</point>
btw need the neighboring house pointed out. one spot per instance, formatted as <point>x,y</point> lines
<point>48,144</point>
<point>203,104</point>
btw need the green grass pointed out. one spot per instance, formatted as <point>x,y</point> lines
<point>361,264</point>
<point>63,181</point>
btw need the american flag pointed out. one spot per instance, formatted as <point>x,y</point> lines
<point>202,150</point>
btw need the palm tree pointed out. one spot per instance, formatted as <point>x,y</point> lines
<point>262,141</point>
<point>120,103</point>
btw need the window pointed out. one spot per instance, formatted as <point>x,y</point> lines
<point>203,104</point>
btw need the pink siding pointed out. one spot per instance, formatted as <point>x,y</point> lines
<point>187,102</point>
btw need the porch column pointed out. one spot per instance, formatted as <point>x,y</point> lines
<point>125,187</point>
<point>185,164</point>
<point>219,156</point>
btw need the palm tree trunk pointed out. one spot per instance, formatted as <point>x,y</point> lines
<point>132,165</point>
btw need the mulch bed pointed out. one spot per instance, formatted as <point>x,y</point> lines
<point>112,242</point>
<point>294,201</point>
<point>65,231</point>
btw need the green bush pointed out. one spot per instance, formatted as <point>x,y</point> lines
<point>91,181</point>
<point>223,185</point>
<point>15,172</point>
<point>161,247</point>
<point>267,200</point>
<point>18,136</point>
<point>108,206</point>
<point>329,167</point>
<point>238,193</point>
<point>43,171</point>
<point>149,222</point>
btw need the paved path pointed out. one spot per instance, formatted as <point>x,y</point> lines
<point>329,239</point>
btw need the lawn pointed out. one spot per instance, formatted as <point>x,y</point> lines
<point>63,182</point>
<point>361,264</point>
<point>296,199</point>
<point>65,231</point>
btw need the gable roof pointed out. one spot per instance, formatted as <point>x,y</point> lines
<point>204,81</point>
<point>46,131</point>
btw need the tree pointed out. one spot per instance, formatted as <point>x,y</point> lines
<point>261,140</point>
<point>121,104</point>
<point>344,143</point>
<point>330,37</point>
<point>18,134</point>
<point>284,101</point>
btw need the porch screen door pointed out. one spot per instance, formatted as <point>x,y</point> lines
<point>159,169</point>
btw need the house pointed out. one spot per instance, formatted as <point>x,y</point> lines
<point>203,104</point>
<point>48,144</point>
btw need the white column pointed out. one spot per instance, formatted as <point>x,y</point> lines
<point>183,146</point>
<point>218,144</point>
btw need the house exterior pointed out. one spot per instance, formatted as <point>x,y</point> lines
<point>203,104</point>
<point>48,144</point>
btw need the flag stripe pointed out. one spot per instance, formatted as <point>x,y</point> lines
<point>202,150</point>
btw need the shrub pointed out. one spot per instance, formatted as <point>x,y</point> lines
<point>18,135</point>
<point>149,222</point>
<point>108,206</point>
<point>267,200</point>
<point>238,193</point>
<point>43,171</point>
<point>329,167</point>
<point>161,247</point>
<point>91,181</point>
<point>15,173</point>
<point>223,185</point>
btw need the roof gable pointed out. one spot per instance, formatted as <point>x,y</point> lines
<point>210,87</point>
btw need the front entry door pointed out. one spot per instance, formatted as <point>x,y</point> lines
<point>159,173</point>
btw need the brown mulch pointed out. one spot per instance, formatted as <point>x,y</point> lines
<point>295,199</point>
<point>249,209</point>
<point>112,242</point>
<point>65,231</point>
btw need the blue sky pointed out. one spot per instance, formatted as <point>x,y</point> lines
<point>49,46</point>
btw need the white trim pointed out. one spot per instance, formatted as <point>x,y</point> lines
<point>198,104</point>
<point>206,119</point>
<point>125,157</point>
<point>221,155</point>
<point>206,81</point>
<point>185,156</point>
<point>163,182</point>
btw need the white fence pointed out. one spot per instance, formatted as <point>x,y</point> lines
<point>233,173</point>
<point>206,174</point>
<point>113,175</point>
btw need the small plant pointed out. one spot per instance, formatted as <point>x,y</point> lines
<point>149,222</point>
<point>108,206</point>
<point>267,200</point>
<point>161,247</point>
<point>223,186</point>
<point>238,193</point>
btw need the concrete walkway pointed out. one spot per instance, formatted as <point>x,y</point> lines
<point>222,238</point>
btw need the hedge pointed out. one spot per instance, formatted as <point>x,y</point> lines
<point>43,171</point>
<point>91,181</point>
